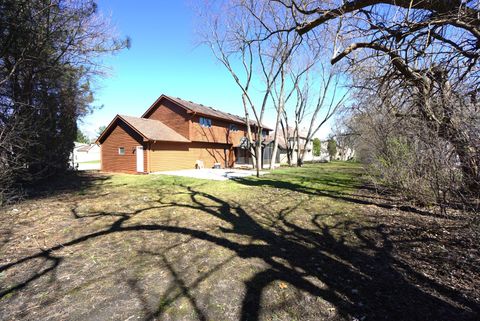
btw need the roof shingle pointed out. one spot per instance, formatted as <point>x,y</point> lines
<point>154,129</point>
<point>209,111</point>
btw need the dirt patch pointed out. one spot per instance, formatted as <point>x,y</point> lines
<point>162,248</point>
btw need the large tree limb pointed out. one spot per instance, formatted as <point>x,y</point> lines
<point>452,7</point>
<point>397,61</point>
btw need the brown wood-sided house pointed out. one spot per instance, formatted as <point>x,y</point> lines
<point>174,134</point>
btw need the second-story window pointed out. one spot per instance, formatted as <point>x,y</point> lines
<point>205,122</point>
<point>233,128</point>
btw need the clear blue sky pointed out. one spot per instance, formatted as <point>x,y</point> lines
<point>164,58</point>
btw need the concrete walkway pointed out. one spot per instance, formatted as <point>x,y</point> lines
<point>212,174</point>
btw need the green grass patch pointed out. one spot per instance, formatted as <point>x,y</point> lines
<point>90,162</point>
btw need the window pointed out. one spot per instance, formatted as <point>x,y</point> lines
<point>121,150</point>
<point>233,128</point>
<point>205,122</point>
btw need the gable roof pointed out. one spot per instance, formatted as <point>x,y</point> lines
<point>78,144</point>
<point>149,129</point>
<point>302,133</point>
<point>203,110</point>
<point>280,140</point>
<point>85,148</point>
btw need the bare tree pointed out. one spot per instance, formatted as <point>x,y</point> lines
<point>402,154</point>
<point>238,32</point>
<point>345,139</point>
<point>331,97</point>
<point>317,94</point>
<point>429,48</point>
<point>293,74</point>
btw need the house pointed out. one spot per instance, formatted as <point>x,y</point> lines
<point>344,153</point>
<point>304,147</point>
<point>324,155</point>
<point>82,153</point>
<point>87,153</point>
<point>282,157</point>
<point>175,134</point>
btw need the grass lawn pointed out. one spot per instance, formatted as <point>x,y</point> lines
<point>310,243</point>
<point>90,162</point>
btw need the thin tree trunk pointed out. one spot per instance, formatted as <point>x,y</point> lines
<point>286,137</point>
<point>259,156</point>
<point>279,115</point>
<point>307,141</point>
<point>297,132</point>
<point>249,129</point>
<point>275,148</point>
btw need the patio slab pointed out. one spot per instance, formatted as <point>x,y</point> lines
<point>212,174</point>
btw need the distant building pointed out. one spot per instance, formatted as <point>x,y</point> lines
<point>292,143</point>
<point>324,155</point>
<point>344,153</point>
<point>84,153</point>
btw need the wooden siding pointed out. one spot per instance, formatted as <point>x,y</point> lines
<point>122,136</point>
<point>166,156</point>
<point>188,125</point>
<point>210,144</point>
<point>173,116</point>
<point>145,158</point>
<point>218,133</point>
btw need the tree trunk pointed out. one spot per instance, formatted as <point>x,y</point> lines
<point>281,104</point>
<point>287,143</point>
<point>297,131</point>
<point>258,155</point>
<point>249,130</point>
<point>275,148</point>
<point>307,141</point>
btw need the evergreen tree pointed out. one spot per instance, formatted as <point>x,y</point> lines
<point>316,147</point>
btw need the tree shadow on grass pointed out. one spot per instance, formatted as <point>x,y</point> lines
<point>337,195</point>
<point>69,182</point>
<point>363,280</point>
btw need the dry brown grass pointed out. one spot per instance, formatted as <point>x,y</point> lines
<point>300,244</point>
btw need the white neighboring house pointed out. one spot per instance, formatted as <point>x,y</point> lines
<point>308,148</point>
<point>324,155</point>
<point>85,156</point>
<point>344,153</point>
